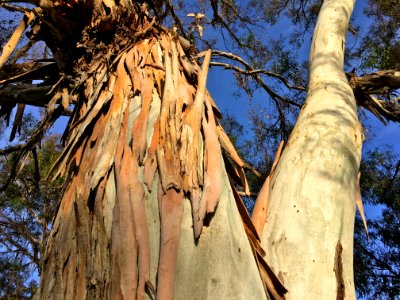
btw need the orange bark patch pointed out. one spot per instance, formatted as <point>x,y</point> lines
<point>171,212</point>
<point>260,210</point>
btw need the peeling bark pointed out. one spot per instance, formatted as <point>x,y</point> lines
<point>143,144</point>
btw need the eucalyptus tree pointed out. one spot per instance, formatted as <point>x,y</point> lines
<point>148,209</point>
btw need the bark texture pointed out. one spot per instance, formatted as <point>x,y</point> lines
<point>311,198</point>
<point>145,171</point>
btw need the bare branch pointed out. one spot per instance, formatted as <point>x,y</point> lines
<point>259,71</point>
<point>261,82</point>
<point>250,70</point>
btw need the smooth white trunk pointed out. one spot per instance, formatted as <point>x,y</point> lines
<point>312,205</point>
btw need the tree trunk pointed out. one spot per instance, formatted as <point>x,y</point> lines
<point>308,235</point>
<point>144,166</point>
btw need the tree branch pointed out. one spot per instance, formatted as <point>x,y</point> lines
<point>10,46</point>
<point>30,94</point>
<point>382,82</point>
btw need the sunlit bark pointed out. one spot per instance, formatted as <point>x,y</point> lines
<point>308,235</point>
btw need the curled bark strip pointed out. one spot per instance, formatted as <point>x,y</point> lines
<point>171,212</point>
<point>232,171</point>
<point>277,157</point>
<point>243,179</point>
<point>10,46</point>
<point>272,283</point>
<point>198,211</point>
<point>158,67</point>
<point>254,241</point>
<point>217,112</point>
<point>260,210</point>
<point>142,83</point>
<point>359,203</point>
<point>243,212</point>
<point>88,117</point>
<point>212,161</point>
<point>228,147</point>
<point>189,69</point>
<point>260,207</point>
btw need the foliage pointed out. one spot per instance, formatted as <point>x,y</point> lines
<point>377,260</point>
<point>380,45</point>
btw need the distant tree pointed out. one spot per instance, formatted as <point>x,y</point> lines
<point>27,208</point>
<point>377,259</point>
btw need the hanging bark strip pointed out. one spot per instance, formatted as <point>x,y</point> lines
<point>260,209</point>
<point>359,203</point>
<point>272,284</point>
<point>231,153</point>
<point>212,160</point>
<point>143,84</point>
<point>167,152</point>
